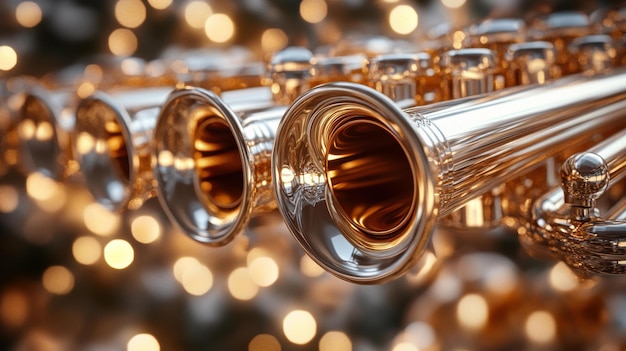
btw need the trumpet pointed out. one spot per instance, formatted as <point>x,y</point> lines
<point>365,211</point>
<point>211,153</point>
<point>114,129</point>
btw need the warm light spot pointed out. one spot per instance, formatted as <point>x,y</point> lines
<point>28,14</point>
<point>145,229</point>
<point>143,342</point>
<point>26,129</point>
<point>405,346</point>
<point>240,284</point>
<point>160,4</point>
<point>9,198</point>
<point>165,158</point>
<point>273,39</point>
<point>335,340</point>
<point>219,28</point>
<point>264,271</point>
<point>540,327</point>
<point>99,220</point>
<point>85,89</point>
<point>403,19</point>
<point>86,250</point>
<point>13,309</point>
<point>310,268</point>
<point>196,279</point>
<point>130,13</point>
<point>44,131</point>
<point>313,11</point>
<point>196,13</point>
<point>84,143</point>
<point>133,66</point>
<point>264,342</point>
<point>562,278</point>
<point>122,42</point>
<point>472,312</point>
<point>40,187</point>
<point>299,327</point>
<point>453,4</point>
<point>181,265</point>
<point>8,58</point>
<point>119,254</point>
<point>58,280</point>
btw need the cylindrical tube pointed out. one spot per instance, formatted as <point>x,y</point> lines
<point>365,210</point>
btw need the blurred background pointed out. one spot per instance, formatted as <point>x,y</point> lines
<point>74,276</point>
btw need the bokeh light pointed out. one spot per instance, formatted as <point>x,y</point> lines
<point>264,342</point>
<point>453,4</point>
<point>562,278</point>
<point>196,279</point>
<point>335,340</point>
<point>145,229</point>
<point>8,58</point>
<point>403,19</point>
<point>240,284</point>
<point>264,271</point>
<point>143,342</point>
<point>119,254</point>
<point>299,327</point>
<point>219,28</point>
<point>9,198</point>
<point>273,39</point>
<point>196,13</point>
<point>540,327</point>
<point>472,312</point>
<point>313,11</point>
<point>86,250</point>
<point>100,220</point>
<point>28,14</point>
<point>130,13</point>
<point>122,42</point>
<point>160,4</point>
<point>58,280</point>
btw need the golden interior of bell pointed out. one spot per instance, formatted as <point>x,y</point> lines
<point>117,148</point>
<point>218,164</point>
<point>370,177</point>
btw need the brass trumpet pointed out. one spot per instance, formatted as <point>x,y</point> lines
<point>365,210</point>
<point>211,153</point>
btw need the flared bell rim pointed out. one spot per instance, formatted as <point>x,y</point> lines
<point>49,163</point>
<point>353,263</point>
<point>218,235</point>
<point>102,191</point>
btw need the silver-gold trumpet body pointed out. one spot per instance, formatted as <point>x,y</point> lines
<point>112,140</point>
<point>212,153</point>
<point>361,182</point>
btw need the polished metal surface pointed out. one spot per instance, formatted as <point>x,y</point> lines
<point>569,223</point>
<point>113,136</point>
<point>430,163</point>
<point>212,159</point>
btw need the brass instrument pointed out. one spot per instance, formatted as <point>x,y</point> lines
<point>365,211</point>
<point>212,153</point>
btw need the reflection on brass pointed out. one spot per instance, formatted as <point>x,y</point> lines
<point>218,163</point>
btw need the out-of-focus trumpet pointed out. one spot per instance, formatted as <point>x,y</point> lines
<point>365,210</point>
<point>114,128</point>
<point>212,153</point>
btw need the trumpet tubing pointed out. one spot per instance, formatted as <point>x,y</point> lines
<point>425,164</point>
